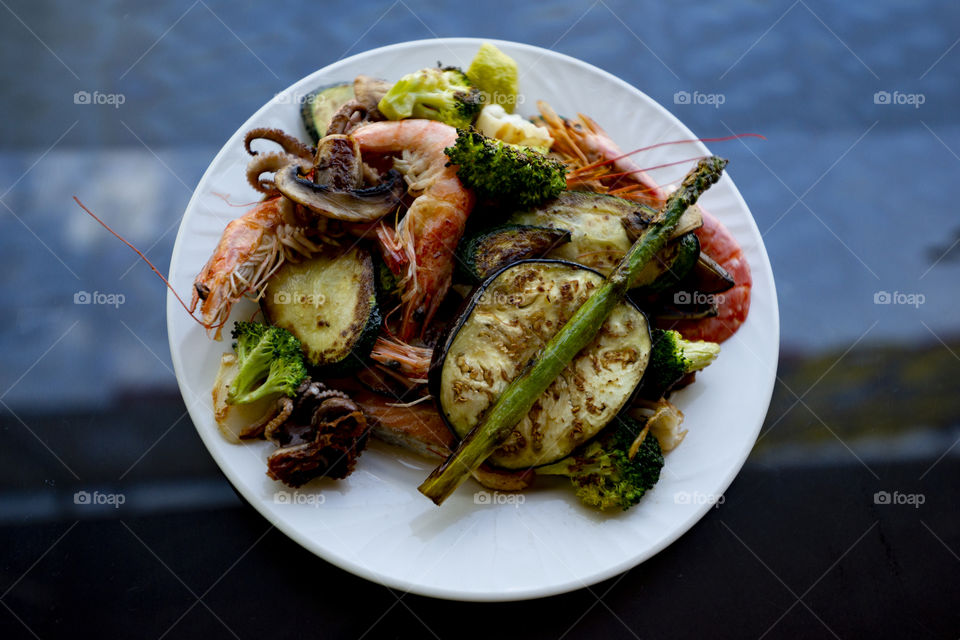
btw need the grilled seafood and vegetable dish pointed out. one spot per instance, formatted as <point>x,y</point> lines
<point>512,297</point>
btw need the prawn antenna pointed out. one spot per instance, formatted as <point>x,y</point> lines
<point>659,166</point>
<point>143,257</point>
<point>599,163</point>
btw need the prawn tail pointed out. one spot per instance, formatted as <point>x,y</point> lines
<point>391,250</point>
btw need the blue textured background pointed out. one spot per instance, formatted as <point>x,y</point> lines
<point>853,198</point>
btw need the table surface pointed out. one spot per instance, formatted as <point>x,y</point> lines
<point>851,190</point>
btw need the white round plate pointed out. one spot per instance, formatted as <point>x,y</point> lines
<point>481,546</point>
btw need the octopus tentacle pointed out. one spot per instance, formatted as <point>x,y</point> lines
<point>290,144</point>
<point>275,416</point>
<point>269,162</point>
<point>286,408</point>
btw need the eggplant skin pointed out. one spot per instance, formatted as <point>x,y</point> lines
<point>329,303</point>
<point>490,250</point>
<point>504,324</point>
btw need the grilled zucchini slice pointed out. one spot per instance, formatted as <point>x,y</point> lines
<point>329,303</point>
<point>602,228</point>
<point>319,105</point>
<point>635,217</point>
<point>598,238</point>
<point>490,250</point>
<point>506,321</point>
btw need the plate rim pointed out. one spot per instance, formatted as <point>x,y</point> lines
<point>346,564</point>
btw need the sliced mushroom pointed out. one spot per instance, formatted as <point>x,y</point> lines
<point>337,163</point>
<point>368,91</point>
<point>350,205</point>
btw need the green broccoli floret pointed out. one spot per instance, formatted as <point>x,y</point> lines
<point>269,361</point>
<point>505,173</point>
<point>604,473</point>
<point>671,358</point>
<point>443,94</point>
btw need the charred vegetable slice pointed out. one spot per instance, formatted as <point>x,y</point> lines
<point>507,321</point>
<point>521,393</point>
<point>634,216</point>
<point>669,266</point>
<point>490,250</point>
<point>708,276</point>
<point>319,106</point>
<point>329,303</point>
<point>597,239</point>
<point>601,227</point>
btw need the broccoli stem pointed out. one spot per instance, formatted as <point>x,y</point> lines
<point>517,399</point>
<point>253,369</point>
<point>699,354</point>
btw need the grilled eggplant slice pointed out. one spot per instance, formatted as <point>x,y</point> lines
<point>490,250</point>
<point>329,303</point>
<point>707,276</point>
<point>504,324</point>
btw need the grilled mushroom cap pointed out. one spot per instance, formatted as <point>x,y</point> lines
<point>350,205</point>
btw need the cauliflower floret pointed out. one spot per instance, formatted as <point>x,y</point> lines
<point>495,122</point>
